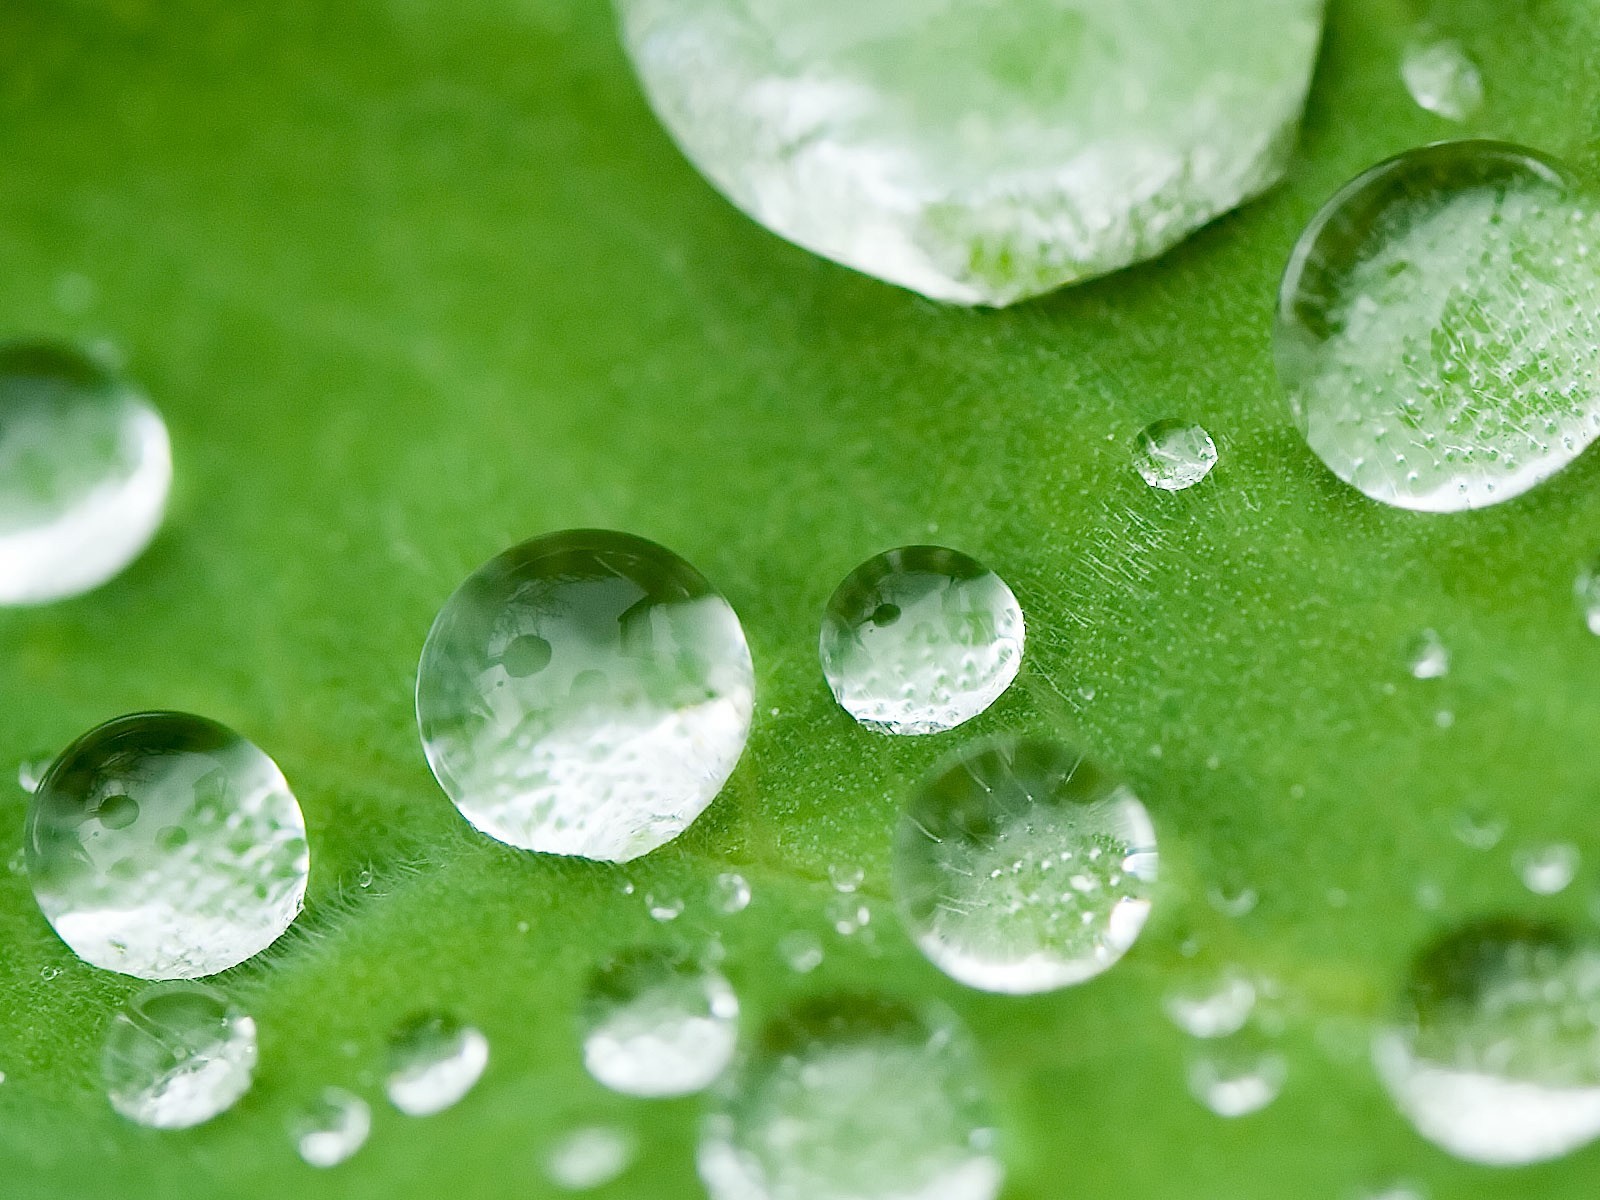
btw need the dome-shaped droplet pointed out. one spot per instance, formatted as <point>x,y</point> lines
<point>177,1055</point>
<point>434,1060</point>
<point>166,846</point>
<point>657,1024</point>
<point>585,693</point>
<point>979,152</point>
<point>1494,1053</point>
<point>921,639</point>
<point>1442,77</point>
<point>85,466</point>
<point>1439,327</point>
<point>331,1128</point>
<point>1022,867</point>
<point>853,1098</point>
<point>1237,1075</point>
<point>1173,456</point>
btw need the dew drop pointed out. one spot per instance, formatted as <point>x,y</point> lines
<point>331,1128</point>
<point>1438,331</point>
<point>589,1157</point>
<point>1022,867</point>
<point>434,1060</point>
<point>629,729</point>
<point>1494,1051</point>
<point>125,893</point>
<point>1173,456</point>
<point>657,1024</point>
<point>853,1098</point>
<point>1442,77</point>
<point>663,908</point>
<point>730,893</point>
<point>1548,869</point>
<point>177,1055</point>
<point>801,950</point>
<point>1212,1008</point>
<point>954,646</point>
<point>845,879</point>
<point>1429,657</point>
<point>1237,1076</point>
<point>85,466</point>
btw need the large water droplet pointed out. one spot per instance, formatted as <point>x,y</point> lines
<point>1022,867</point>
<point>1439,327</point>
<point>85,466</point>
<point>613,737</point>
<point>979,152</point>
<point>853,1098</point>
<point>1495,1051</point>
<point>433,1061</point>
<point>1174,455</point>
<point>1442,77</point>
<point>331,1128</point>
<point>657,1024</point>
<point>920,639</point>
<point>177,1055</point>
<point>166,846</point>
<point>589,1157</point>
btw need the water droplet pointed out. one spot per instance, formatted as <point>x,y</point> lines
<point>663,908</point>
<point>1439,327</point>
<point>1214,1007</point>
<point>627,732</point>
<point>1478,829</point>
<point>952,645</point>
<point>657,1024</point>
<point>74,293</point>
<point>364,878</point>
<point>1399,1189</point>
<point>1494,1054</point>
<point>853,1098</point>
<point>1174,455</point>
<point>1587,590</point>
<point>979,153</point>
<point>848,915</point>
<point>1548,869</point>
<point>1237,1076</point>
<point>331,1128</point>
<point>590,1157</point>
<point>730,893</point>
<point>1429,657</point>
<point>1233,899</point>
<point>1442,78</point>
<point>433,1061</point>
<point>177,1055</point>
<point>845,879</point>
<point>166,846</point>
<point>30,772</point>
<point>1022,867</point>
<point>801,950</point>
<point>85,466</point>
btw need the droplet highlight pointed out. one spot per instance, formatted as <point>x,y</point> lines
<point>178,1055</point>
<point>658,1024</point>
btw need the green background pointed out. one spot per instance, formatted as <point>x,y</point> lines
<point>413,281</point>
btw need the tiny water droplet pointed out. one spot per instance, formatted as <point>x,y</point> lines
<point>845,879</point>
<point>802,950</point>
<point>177,1055</point>
<point>1586,589</point>
<point>1442,77</point>
<point>434,1060</point>
<point>1548,869</point>
<point>657,1024</point>
<point>364,878</point>
<point>49,973</point>
<point>624,734</point>
<point>331,1128</point>
<point>589,1157</point>
<point>1173,456</point>
<point>730,893</point>
<point>848,915</point>
<point>30,772</point>
<point>1214,1007</point>
<point>1237,1076</point>
<point>664,908</point>
<point>1428,656</point>
<point>1233,899</point>
<point>953,644</point>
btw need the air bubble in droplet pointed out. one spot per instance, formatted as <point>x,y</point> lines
<point>331,1128</point>
<point>1173,456</point>
<point>658,1024</point>
<point>177,1055</point>
<point>433,1062</point>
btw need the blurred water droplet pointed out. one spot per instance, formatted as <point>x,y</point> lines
<point>1478,829</point>
<point>1233,899</point>
<point>1212,1007</point>
<point>614,741</point>
<point>730,893</point>
<point>1173,456</point>
<point>663,908</point>
<point>364,878</point>
<point>30,773</point>
<point>801,950</point>
<point>845,878</point>
<point>848,915</point>
<point>434,1060</point>
<point>1429,657</point>
<point>74,293</point>
<point>1548,869</point>
<point>1442,77</point>
<point>178,1054</point>
<point>331,1128</point>
<point>920,640</point>
<point>1586,588</point>
<point>1237,1076</point>
<point>589,1157</point>
<point>658,1024</point>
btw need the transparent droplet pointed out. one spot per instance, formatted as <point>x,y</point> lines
<point>1238,1075</point>
<point>177,1055</point>
<point>166,846</point>
<point>979,153</point>
<point>658,1024</point>
<point>1438,329</point>
<point>801,950</point>
<point>663,908</point>
<point>364,878</point>
<point>1174,455</point>
<point>1548,869</point>
<point>433,1061</point>
<point>1442,77</point>
<point>331,1128</point>
<point>1233,899</point>
<point>848,915</point>
<point>730,893</point>
<point>1494,1052</point>
<point>1213,1007</point>
<point>920,640</point>
<point>617,734</point>
<point>853,1098</point>
<point>30,773</point>
<point>590,1157</point>
<point>1587,590</point>
<point>85,466</point>
<point>845,879</point>
<point>1022,867</point>
<point>1429,657</point>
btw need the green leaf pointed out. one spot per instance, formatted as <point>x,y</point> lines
<point>414,281</point>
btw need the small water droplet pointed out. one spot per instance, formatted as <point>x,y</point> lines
<point>1022,867</point>
<point>127,895</point>
<point>49,973</point>
<point>730,893</point>
<point>85,466</point>
<point>1173,456</point>
<point>658,1024</point>
<point>433,1061</point>
<point>364,878</point>
<point>1548,869</point>
<point>1429,657</point>
<point>331,1128</point>
<point>1399,1189</point>
<point>1444,718</point>
<point>177,1055</point>
<point>589,1157</point>
<point>663,908</point>
<point>627,731</point>
<point>31,772</point>
<point>1586,589</point>
<point>802,950</point>
<point>955,643</point>
<point>1477,828</point>
<point>853,1098</point>
<point>1237,1076</point>
<point>1442,77</point>
<point>845,879</point>
<point>848,915</point>
<point>1233,899</point>
<point>1213,1007</point>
